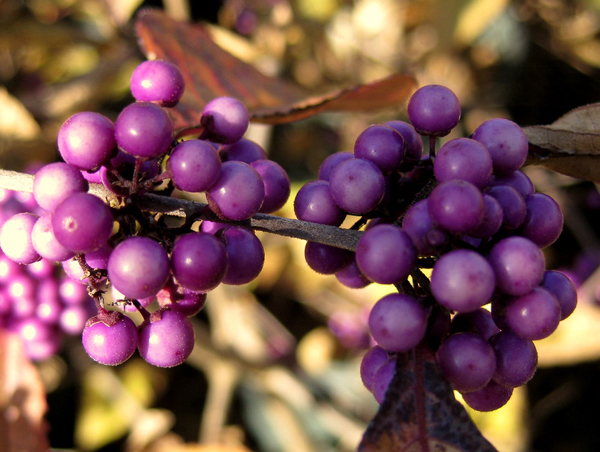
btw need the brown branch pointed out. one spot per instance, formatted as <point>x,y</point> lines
<point>304,230</point>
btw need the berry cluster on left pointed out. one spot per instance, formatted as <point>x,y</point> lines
<point>120,247</point>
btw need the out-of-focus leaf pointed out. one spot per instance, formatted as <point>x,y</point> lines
<point>420,413</point>
<point>15,120</point>
<point>209,72</point>
<point>114,400</point>
<point>570,145</point>
<point>22,400</point>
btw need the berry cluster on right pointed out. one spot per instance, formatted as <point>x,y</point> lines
<point>479,226</point>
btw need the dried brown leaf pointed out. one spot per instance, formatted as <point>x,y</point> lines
<point>570,145</point>
<point>420,413</point>
<point>22,400</point>
<point>209,72</point>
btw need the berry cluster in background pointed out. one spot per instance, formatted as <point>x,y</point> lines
<point>459,232</point>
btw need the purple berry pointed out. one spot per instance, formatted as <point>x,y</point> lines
<point>456,206</point>
<point>385,254</point>
<point>225,120</point>
<point>238,193</point>
<point>55,182</point>
<point>110,339</point>
<point>382,145</point>
<point>144,130</point>
<point>505,141</point>
<point>518,264</point>
<point>199,261</point>
<point>467,361</point>
<point>331,162</point>
<point>166,338</point>
<point>245,254</point>
<point>397,322</point>
<point>434,110</point>
<point>462,280</point>
<point>314,203</point>
<point>157,81</point>
<point>243,150</point>
<point>86,140</point>
<point>195,165</point>
<point>357,185</point>
<point>463,158</point>
<point>138,267</point>
<point>82,223</point>
<point>15,238</point>
<point>45,242</point>
<point>277,184</point>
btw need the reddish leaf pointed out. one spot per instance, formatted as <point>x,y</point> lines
<point>209,71</point>
<point>570,145</point>
<point>420,413</point>
<point>22,400</point>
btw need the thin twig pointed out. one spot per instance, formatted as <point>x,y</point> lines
<point>304,230</point>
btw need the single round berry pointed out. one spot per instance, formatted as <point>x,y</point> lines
<point>239,192</point>
<point>456,206</point>
<point>277,184</point>
<point>245,254</point>
<point>479,321</point>
<point>385,254</point>
<point>506,142</point>
<point>180,299</point>
<point>110,339</point>
<point>463,158</point>
<point>516,359</point>
<point>225,120</point>
<point>195,165</point>
<point>563,289</point>
<point>397,322</point>
<point>543,221</point>
<point>314,203</point>
<point>82,223</point>
<point>382,145</point>
<point>144,130</point>
<point>489,398</point>
<point>518,264</point>
<point>86,140</point>
<point>357,185</point>
<point>166,338</point>
<point>467,361</point>
<point>535,315</point>
<point>138,267</point>
<point>157,81</point>
<point>462,280</point>
<point>434,110</point>
<point>55,182</point>
<point>199,261</point>
<point>15,238</point>
<point>326,259</point>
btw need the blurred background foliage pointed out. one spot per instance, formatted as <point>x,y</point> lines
<point>276,363</point>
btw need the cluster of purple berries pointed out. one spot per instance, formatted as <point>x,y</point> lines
<point>39,302</point>
<point>134,253</point>
<point>465,212</point>
<point>480,227</point>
